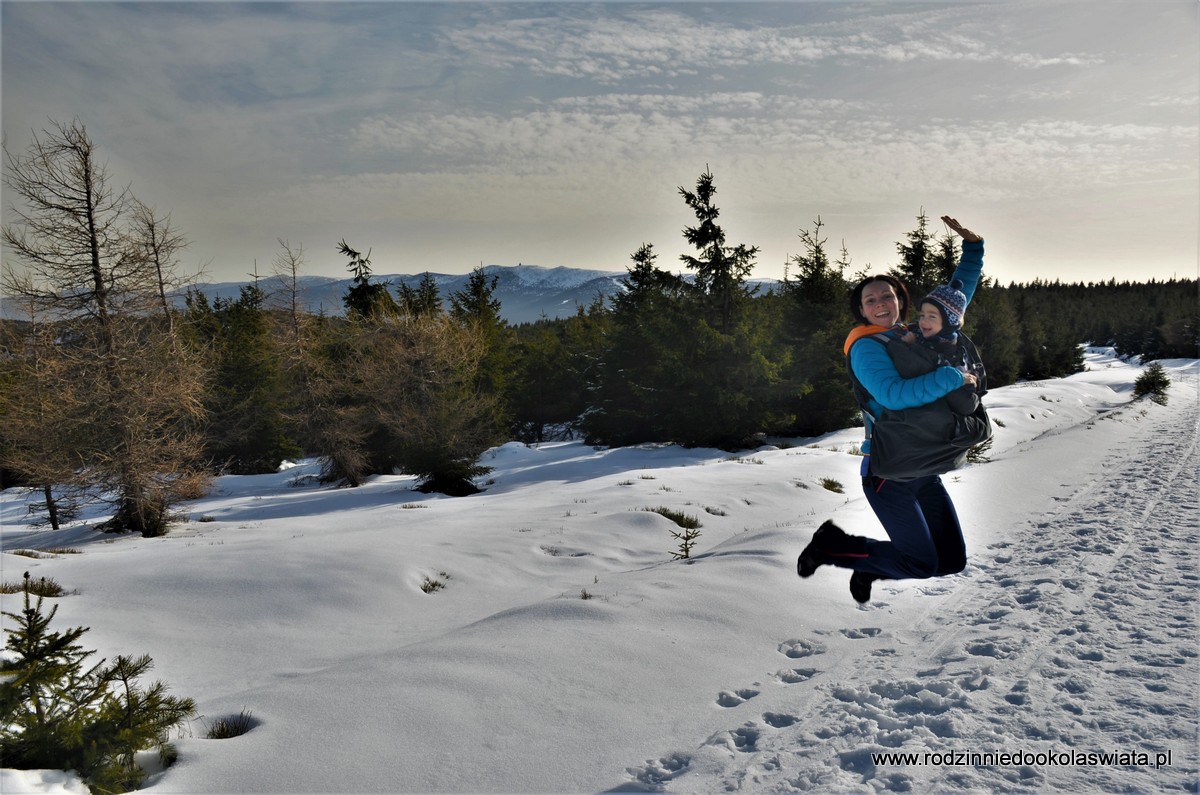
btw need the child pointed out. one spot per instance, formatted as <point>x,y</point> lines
<point>941,317</point>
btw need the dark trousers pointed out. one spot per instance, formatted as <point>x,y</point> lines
<point>919,518</point>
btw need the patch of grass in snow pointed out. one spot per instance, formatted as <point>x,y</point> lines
<point>429,585</point>
<point>686,521</point>
<point>43,586</point>
<point>231,726</point>
<point>38,554</point>
<point>833,485</point>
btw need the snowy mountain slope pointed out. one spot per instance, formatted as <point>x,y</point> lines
<point>1073,628</point>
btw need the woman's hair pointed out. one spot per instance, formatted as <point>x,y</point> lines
<point>856,297</point>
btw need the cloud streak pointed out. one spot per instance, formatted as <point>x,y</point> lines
<point>625,45</point>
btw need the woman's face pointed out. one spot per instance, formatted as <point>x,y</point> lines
<point>880,305</point>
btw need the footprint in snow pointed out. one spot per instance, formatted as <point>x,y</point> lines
<point>727,699</point>
<point>859,634</point>
<point>796,675</point>
<point>797,649</point>
<point>657,772</point>
<point>1019,694</point>
<point>1000,648</point>
<point>779,720</point>
<point>1029,597</point>
<point>744,739</point>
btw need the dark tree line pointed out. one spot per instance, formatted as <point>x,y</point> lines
<point>662,364</point>
<point>109,388</point>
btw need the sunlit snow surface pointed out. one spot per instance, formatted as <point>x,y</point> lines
<point>567,651</point>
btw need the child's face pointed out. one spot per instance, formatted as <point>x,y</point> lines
<point>929,321</point>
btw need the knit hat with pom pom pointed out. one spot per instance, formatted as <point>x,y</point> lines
<point>949,298</point>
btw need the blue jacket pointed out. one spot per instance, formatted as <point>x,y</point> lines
<point>874,368</point>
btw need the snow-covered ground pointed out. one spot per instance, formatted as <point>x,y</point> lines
<point>568,652</point>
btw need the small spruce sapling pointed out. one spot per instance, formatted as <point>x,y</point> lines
<point>1154,382</point>
<point>57,714</point>
<point>686,536</point>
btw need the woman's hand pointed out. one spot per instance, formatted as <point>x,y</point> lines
<point>966,234</point>
<point>968,378</point>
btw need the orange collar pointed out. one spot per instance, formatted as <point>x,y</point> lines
<point>858,332</point>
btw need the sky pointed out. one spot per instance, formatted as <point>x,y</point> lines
<point>445,136</point>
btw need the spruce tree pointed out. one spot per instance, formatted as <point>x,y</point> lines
<point>424,300</point>
<point>476,307</point>
<point>721,271</point>
<point>943,261</point>
<point>246,431</point>
<point>364,298</point>
<point>643,374</point>
<point>476,302</point>
<point>556,366</point>
<point>725,393</point>
<point>814,326</point>
<point>429,297</point>
<point>1154,382</point>
<point>991,322</point>
<point>917,254</point>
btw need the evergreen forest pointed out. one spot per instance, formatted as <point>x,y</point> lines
<point>110,390</point>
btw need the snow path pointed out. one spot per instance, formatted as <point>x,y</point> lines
<point>1079,633</point>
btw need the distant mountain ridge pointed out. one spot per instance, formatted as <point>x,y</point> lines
<point>526,292</point>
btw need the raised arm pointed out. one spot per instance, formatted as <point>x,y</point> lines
<point>970,264</point>
<point>966,234</point>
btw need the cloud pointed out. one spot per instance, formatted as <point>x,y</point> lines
<point>617,44</point>
<point>836,145</point>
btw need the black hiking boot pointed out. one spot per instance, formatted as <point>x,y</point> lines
<point>860,586</point>
<point>816,554</point>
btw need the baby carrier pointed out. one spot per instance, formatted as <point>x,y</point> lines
<point>932,439</point>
